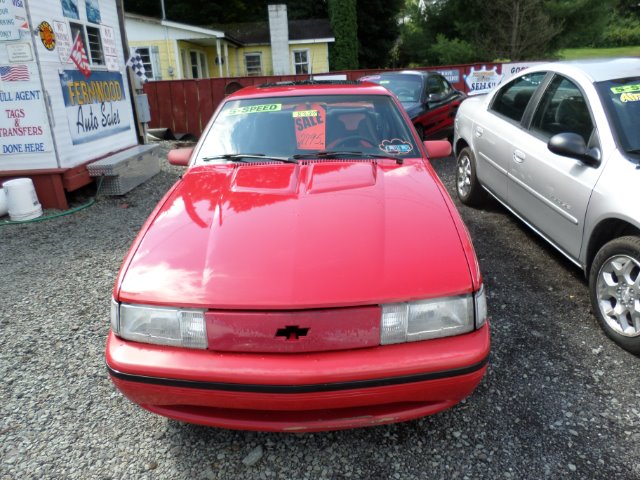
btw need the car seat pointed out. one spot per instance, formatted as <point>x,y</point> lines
<point>573,116</point>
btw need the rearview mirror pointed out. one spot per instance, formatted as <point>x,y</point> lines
<point>180,156</point>
<point>572,145</point>
<point>437,148</point>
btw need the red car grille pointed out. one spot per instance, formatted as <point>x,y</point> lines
<point>294,331</point>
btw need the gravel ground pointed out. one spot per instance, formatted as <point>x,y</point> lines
<point>559,400</point>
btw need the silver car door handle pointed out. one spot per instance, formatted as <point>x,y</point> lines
<point>519,156</point>
<point>479,131</point>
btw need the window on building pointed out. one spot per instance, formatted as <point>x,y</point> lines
<point>197,64</point>
<point>196,72</point>
<point>253,62</point>
<point>204,67</point>
<point>145,54</point>
<point>93,47</point>
<point>301,61</point>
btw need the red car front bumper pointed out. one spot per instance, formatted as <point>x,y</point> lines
<point>300,392</point>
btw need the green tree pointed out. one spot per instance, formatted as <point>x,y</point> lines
<point>583,21</point>
<point>521,29</point>
<point>343,54</point>
<point>378,31</point>
<point>502,29</point>
<point>304,9</point>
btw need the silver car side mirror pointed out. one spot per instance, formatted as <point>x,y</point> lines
<point>572,145</point>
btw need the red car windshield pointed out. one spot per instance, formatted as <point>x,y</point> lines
<point>287,126</point>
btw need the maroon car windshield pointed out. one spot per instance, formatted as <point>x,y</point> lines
<point>287,126</point>
<point>407,87</point>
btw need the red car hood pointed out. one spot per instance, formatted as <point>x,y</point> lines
<point>283,236</point>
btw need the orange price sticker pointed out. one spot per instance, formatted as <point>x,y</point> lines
<point>310,125</point>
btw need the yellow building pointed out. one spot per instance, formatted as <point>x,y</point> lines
<point>175,51</point>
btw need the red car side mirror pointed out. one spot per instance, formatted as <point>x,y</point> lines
<point>437,148</point>
<point>180,156</point>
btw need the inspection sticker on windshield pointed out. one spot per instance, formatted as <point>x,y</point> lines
<point>269,107</point>
<point>305,113</point>
<point>626,88</point>
<point>384,82</point>
<point>395,146</point>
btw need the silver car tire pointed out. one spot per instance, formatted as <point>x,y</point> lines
<point>614,287</point>
<point>467,186</point>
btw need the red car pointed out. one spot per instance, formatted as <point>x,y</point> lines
<point>427,97</point>
<point>308,272</point>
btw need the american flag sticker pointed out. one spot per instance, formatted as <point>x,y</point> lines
<point>14,73</point>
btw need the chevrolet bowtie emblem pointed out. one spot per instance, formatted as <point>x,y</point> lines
<point>292,332</point>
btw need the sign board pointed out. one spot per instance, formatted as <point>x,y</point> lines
<point>482,80</point>
<point>19,52</point>
<point>96,107</point>
<point>24,127</point>
<point>452,76</point>
<point>511,69</point>
<point>9,29</point>
<point>63,40</point>
<point>110,49</point>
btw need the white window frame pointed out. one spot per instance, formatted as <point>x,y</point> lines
<point>307,53</point>
<point>246,66</point>
<point>152,68</point>
<point>200,64</point>
<point>85,41</point>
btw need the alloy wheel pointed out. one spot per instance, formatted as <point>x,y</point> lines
<point>618,294</point>
<point>463,178</point>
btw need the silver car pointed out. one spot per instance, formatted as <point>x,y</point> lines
<point>559,146</point>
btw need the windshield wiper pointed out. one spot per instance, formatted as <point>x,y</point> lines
<point>242,157</point>
<point>345,153</point>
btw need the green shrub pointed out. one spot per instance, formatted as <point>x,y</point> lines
<point>451,52</point>
<point>622,32</point>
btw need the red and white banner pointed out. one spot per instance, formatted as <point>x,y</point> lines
<point>79,56</point>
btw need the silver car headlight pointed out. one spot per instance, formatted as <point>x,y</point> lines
<point>159,325</point>
<point>433,318</point>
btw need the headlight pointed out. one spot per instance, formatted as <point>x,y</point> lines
<point>481,307</point>
<point>160,325</point>
<point>435,318</point>
<point>115,316</point>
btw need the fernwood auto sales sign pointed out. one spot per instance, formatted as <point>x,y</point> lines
<point>96,106</point>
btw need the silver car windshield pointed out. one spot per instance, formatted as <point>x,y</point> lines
<point>621,98</point>
<point>288,126</point>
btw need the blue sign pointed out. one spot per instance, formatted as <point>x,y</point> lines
<point>97,107</point>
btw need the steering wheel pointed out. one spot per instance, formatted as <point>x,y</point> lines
<point>351,140</point>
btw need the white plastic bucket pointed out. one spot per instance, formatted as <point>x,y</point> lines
<point>22,201</point>
<point>3,203</point>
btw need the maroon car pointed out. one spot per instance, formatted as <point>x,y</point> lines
<point>427,97</point>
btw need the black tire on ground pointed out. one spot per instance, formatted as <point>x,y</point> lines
<point>614,289</point>
<point>469,190</point>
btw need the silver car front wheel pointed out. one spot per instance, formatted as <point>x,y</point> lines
<point>615,291</point>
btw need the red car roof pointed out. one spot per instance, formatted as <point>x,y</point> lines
<point>293,90</point>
